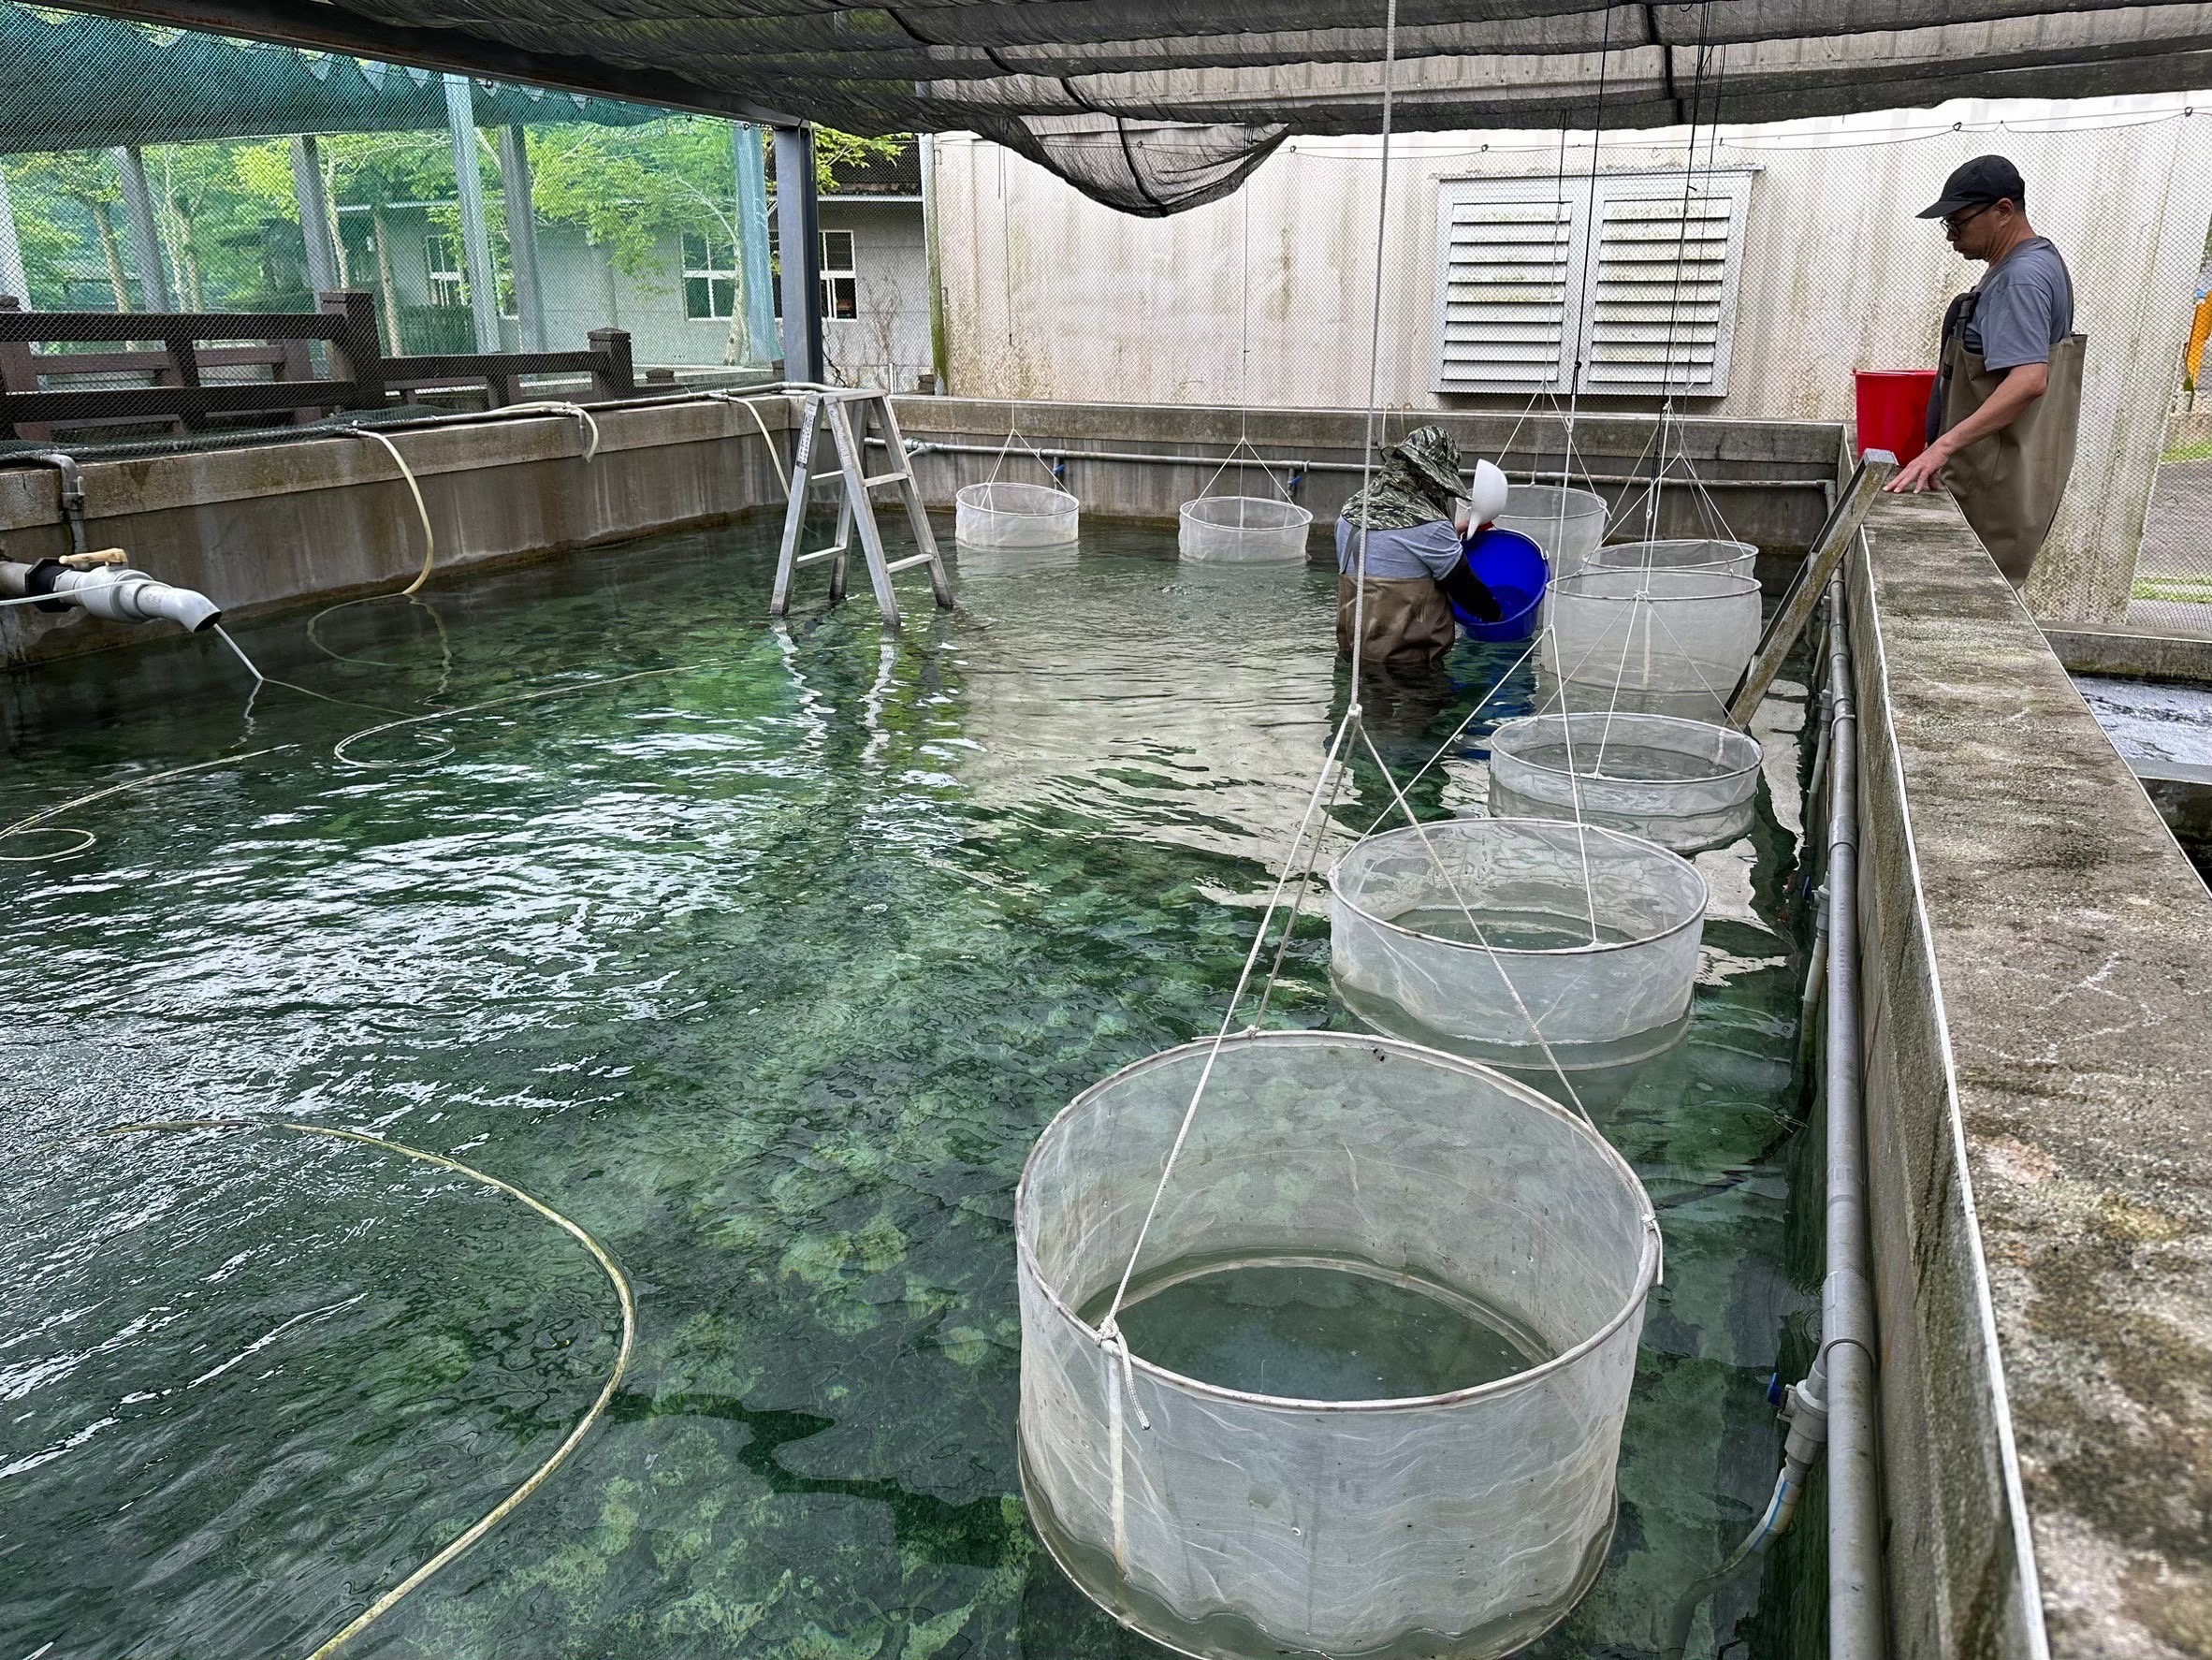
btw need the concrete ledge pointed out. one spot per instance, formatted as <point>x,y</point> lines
<point>2131,654</point>
<point>2040,1114</point>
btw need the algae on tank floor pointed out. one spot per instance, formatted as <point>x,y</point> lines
<point>768,973</point>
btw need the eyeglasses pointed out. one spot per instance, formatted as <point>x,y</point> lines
<point>1955,222</point>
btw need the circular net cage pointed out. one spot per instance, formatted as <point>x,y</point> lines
<point>1684,784</point>
<point>1504,939</point>
<point>1566,523</point>
<point>1243,531</point>
<point>1454,1525</point>
<point>1014,516</point>
<point>1643,637</point>
<point>1678,553</point>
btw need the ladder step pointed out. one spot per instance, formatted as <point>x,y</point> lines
<point>818,556</point>
<point>887,478</point>
<point>907,563</point>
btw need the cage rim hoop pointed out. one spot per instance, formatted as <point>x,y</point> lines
<point>960,499</point>
<point>1738,587</point>
<point>1637,842</point>
<point>1758,761</point>
<point>1741,547</point>
<point>1648,1264</point>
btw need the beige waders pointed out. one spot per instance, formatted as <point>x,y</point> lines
<point>1408,618</point>
<point>2008,485</point>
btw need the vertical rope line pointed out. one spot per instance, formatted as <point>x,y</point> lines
<point>1382,217</point>
<point>1674,304</point>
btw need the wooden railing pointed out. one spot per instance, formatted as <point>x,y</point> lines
<point>166,349</point>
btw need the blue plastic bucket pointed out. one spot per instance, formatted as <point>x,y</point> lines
<point>1514,569</point>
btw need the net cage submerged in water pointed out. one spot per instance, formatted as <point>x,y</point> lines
<point>1460,1524</point>
<point>1664,641</point>
<point>1506,938</point>
<point>1566,523</point>
<point>1684,784</point>
<point>1243,529</point>
<point>998,514</point>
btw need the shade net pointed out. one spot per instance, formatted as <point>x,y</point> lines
<point>1460,1524</point>
<point>1153,105</point>
<point>1503,936</point>
<point>1684,784</point>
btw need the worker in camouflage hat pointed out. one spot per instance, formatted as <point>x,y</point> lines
<point>1399,539</point>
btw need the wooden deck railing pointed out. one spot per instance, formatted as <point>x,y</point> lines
<point>166,353</point>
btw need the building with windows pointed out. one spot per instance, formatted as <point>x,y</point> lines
<point>682,309</point>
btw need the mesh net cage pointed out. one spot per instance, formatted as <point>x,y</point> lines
<point>1684,784</point>
<point>1588,940</point>
<point>1014,516</point>
<point>1566,523</point>
<point>1678,553</point>
<point>1243,1525</point>
<point>1243,529</point>
<point>1646,637</point>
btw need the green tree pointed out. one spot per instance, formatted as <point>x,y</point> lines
<point>88,179</point>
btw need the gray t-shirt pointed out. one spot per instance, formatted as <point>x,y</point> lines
<point>1418,551</point>
<point>2025,309</point>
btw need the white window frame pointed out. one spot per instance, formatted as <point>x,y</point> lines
<point>1577,325</point>
<point>833,273</point>
<point>442,282</point>
<point>710,273</point>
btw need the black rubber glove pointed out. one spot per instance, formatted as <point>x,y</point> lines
<point>1470,593</point>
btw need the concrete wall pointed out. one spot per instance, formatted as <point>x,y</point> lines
<point>887,344</point>
<point>1766,476</point>
<point>1264,299</point>
<point>263,528</point>
<point>2038,1107</point>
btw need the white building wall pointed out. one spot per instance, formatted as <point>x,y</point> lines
<point>1266,298</point>
<point>888,344</point>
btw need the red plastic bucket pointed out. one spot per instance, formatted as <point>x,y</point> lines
<point>1892,410</point>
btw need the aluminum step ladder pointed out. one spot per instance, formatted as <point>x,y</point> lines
<point>848,415</point>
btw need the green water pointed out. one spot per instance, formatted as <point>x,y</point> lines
<point>768,973</point>
<point>1316,1332</point>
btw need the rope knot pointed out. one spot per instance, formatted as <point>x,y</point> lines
<point>1117,1350</point>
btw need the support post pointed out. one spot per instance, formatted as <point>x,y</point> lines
<point>354,354</point>
<point>756,276</point>
<point>13,280</point>
<point>939,369</point>
<point>137,198</point>
<point>314,214</point>
<point>798,224</point>
<point>484,287</point>
<point>522,237</point>
<point>619,377</point>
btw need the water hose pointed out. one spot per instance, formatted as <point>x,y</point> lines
<point>38,822</point>
<point>536,1478</point>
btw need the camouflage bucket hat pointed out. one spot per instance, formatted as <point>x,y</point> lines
<point>1434,457</point>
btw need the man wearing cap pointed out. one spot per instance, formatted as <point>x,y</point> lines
<point>2008,394</point>
<point>1399,539</point>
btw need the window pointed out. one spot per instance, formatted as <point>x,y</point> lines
<point>448,286</point>
<point>1640,286</point>
<point>710,274</point>
<point>840,282</point>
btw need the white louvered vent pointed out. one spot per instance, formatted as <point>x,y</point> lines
<point>1644,294</point>
<point>1660,301</point>
<point>1505,292</point>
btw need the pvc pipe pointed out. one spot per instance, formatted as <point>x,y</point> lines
<point>930,446</point>
<point>114,592</point>
<point>1858,1625</point>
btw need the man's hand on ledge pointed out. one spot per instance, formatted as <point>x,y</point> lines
<point>1919,473</point>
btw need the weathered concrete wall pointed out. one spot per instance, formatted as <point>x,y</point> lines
<point>1766,475</point>
<point>2040,1124</point>
<point>2132,653</point>
<point>265,527</point>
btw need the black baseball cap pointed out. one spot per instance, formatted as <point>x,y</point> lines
<point>1984,179</point>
